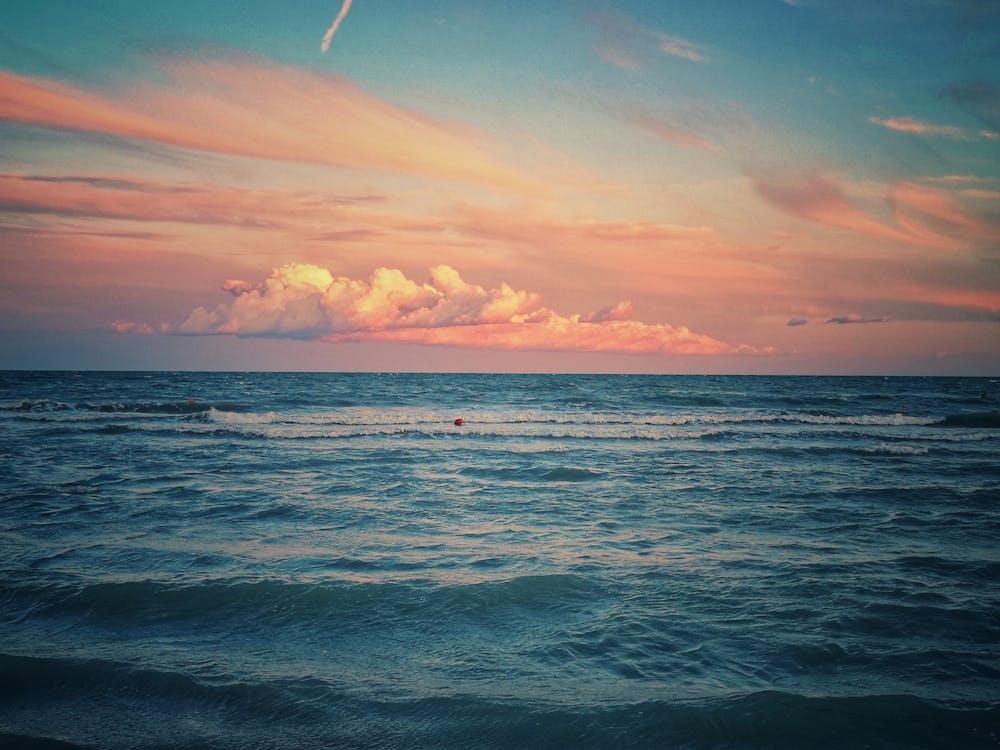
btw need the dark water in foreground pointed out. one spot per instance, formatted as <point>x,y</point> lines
<point>307,561</point>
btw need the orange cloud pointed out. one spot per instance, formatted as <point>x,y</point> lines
<point>459,234</point>
<point>547,232</point>
<point>552,332</point>
<point>946,214</point>
<point>250,107</point>
<point>985,301</point>
<point>306,301</point>
<point>150,200</point>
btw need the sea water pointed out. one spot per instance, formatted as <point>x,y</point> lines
<point>234,560</point>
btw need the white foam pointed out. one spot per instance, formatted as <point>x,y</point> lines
<point>899,450</point>
<point>427,417</point>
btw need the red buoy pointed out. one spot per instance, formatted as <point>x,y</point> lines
<point>458,422</point>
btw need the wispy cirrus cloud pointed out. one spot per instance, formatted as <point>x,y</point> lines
<point>328,36</point>
<point>937,205</point>
<point>912,125</point>
<point>920,215</point>
<point>990,195</point>
<point>135,199</point>
<point>246,106</point>
<point>307,301</point>
<point>546,231</point>
<point>917,127</point>
<point>820,199</point>
<point>671,133</point>
<point>955,178</point>
<point>677,47</point>
<point>628,45</point>
<point>335,217</point>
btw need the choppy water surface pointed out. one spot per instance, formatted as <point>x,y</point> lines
<point>294,560</point>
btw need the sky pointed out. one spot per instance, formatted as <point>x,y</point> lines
<point>739,186</point>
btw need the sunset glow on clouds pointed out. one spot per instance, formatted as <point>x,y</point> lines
<point>305,301</point>
<point>675,186</point>
<point>250,107</point>
<point>920,215</point>
<point>910,125</point>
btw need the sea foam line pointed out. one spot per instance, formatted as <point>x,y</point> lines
<point>398,418</point>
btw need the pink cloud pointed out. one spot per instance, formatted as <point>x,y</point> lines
<point>911,125</point>
<point>672,134</point>
<point>673,45</point>
<point>920,215</point>
<point>140,329</point>
<point>952,295</point>
<point>131,198</point>
<point>473,235</point>
<point>546,232</point>
<point>937,214</point>
<point>821,200</point>
<point>954,178</point>
<point>626,44</point>
<point>620,311</point>
<point>306,301</point>
<point>981,194</point>
<point>933,203</point>
<point>250,107</point>
<point>151,200</point>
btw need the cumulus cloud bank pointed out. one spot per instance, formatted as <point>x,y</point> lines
<point>305,301</point>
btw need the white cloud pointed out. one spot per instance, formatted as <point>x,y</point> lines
<point>328,36</point>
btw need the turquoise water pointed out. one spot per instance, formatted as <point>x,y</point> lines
<point>296,560</point>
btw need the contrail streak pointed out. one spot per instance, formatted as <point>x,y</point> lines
<point>328,36</point>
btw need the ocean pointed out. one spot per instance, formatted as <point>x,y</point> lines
<point>290,560</point>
